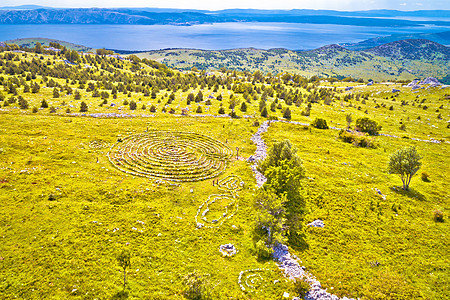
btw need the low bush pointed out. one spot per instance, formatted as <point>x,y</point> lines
<point>438,216</point>
<point>367,125</point>
<point>197,286</point>
<point>320,123</point>
<point>263,251</point>
<point>425,177</point>
<point>357,139</point>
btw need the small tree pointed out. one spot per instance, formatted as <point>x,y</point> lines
<point>287,114</point>
<point>133,105</point>
<point>124,260</point>
<point>44,104</point>
<point>55,93</point>
<point>367,125</point>
<point>264,112</point>
<point>83,107</point>
<point>271,214</point>
<point>405,162</point>
<point>243,107</point>
<point>77,95</point>
<point>199,110</point>
<point>349,120</point>
<point>320,123</point>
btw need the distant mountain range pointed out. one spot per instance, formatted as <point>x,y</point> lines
<point>399,60</point>
<point>151,16</point>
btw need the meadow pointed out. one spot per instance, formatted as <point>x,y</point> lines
<point>67,211</point>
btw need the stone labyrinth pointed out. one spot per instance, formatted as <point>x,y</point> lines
<point>220,207</point>
<point>170,155</point>
<point>254,280</point>
<point>98,144</point>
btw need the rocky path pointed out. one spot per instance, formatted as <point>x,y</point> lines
<point>291,266</point>
<point>260,153</point>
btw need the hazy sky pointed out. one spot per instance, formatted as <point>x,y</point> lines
<point>263,4</point>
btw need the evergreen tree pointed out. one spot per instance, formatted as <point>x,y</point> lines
<point>44,104</point>
<point>83,107</point>
<point>55,93</point>
<point>264,112</point>
<point>287,114</point>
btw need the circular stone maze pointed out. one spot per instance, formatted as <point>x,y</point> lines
<point>170,155</point>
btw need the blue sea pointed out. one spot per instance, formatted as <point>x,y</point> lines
<point>217,36</point>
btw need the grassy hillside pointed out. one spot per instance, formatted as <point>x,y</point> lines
<point>31,42</point>
<point>437,37</point>
<point>328,61</point>
<point>68,211</point>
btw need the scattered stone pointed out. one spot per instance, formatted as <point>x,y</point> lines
<point>228,250</point>
<point>316,223</point>
<point>381,194</point>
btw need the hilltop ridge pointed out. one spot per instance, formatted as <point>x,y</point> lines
<point>400,60</point>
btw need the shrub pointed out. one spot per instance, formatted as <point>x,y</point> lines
<point>35,110</point>
<point>221,111</point>
<point>44,104</point>
<point>152,109</point>
<point>262,251</point>
<point>367,125</point>
<point>425,177</point>
<point>306,112</point>
<point>320,123</point>
<point>52,110</point>
<point>197,286</point>
<point>133,105</point>
<point>357,139</point>
<point>199,110</point>
<point>438,216</point>
<point>301,288</point>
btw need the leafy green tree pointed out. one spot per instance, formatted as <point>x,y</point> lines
<point>283,169</point>
<point>72,56</point>
<point>133,105</point>
<point>124,260</point>
<point>405,162</point>
<point>38,48</point>
<point>271,214</point>
<point>367,125</point>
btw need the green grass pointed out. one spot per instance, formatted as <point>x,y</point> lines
<point>360,227</point>
<point>67,246</point>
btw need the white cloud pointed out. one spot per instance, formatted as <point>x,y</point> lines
<point>403,4</point>
<point>419,4</point>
